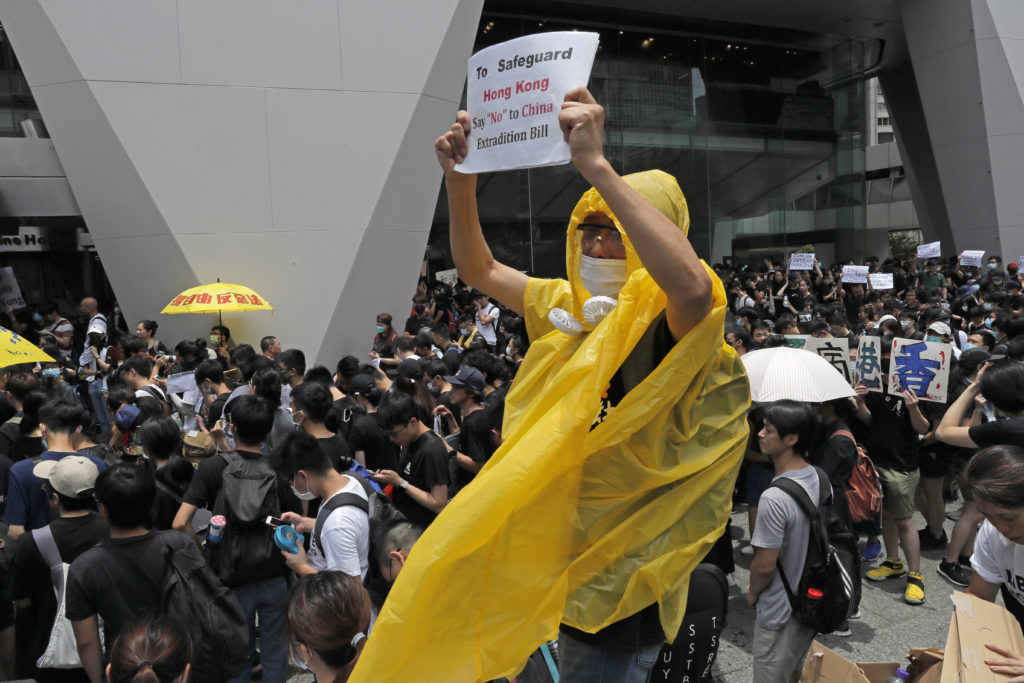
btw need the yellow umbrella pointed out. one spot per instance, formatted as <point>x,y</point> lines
<point>14,349</point>
<point>217,298</point>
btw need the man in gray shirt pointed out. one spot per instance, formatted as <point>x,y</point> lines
<point>781,535</point>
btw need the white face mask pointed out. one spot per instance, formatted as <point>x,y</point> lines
<point>603,276</point>
<point>308,495</point>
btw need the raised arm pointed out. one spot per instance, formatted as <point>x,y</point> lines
<point>663,249</point>
<point>473,258</point>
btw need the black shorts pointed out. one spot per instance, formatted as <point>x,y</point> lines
<point>935,462</point>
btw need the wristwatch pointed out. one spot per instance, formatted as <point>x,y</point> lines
<point>404,485</point>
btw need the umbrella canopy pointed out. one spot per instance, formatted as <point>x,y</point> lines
<point>14,349</point>
<point>220,297</point>
<point>781,373</point>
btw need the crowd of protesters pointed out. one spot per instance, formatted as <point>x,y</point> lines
<point>417,416</point>
<point>420,415</point>
<point>922,450</point>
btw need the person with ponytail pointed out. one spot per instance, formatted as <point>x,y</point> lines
<point>151,651</point>
<point>328,617</point>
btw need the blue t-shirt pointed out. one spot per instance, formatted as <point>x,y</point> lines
<point>26,503</point>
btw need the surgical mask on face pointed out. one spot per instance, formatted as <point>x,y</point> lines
<point>380,329</point>
<point>968,346</point>
<point>991,266</point>
<point>987,305</point>
<point>463,331</point>
<point>508,351</point>
<point>51,372</point>
<point>988,323</point>
<point>603,276</point>
<point>36,318</point>
<point>308,495</point>
<point>932,338</point>
<point>215,338</point>
<point>906,324</point>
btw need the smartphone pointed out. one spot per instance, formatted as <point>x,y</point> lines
<point>275,522</point>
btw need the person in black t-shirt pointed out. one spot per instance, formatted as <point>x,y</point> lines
<point>475,446</point>
<point>311,402</point>
<point>114,579</point>
<point>68,484</point>
<point>421,484</point>
<point>370,445</point>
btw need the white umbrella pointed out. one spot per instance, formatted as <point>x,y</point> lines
<point>782,372</point>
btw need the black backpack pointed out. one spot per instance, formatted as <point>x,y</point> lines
<point>248,495</point>
<point>193,594</point>
<point>824,597</point>
<point>689,658</point>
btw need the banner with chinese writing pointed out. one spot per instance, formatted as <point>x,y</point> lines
<point>880,280</point>
<point>868,369</point>
<point>930,250</point>
<point>855,274</point>
<point>921,367</point>
<point>972,258</point>
<point>836,350</point>
<point>449,277</point>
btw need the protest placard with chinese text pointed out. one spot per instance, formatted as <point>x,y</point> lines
<point>972,258</point>
<point>868,369</point>
<point>449,277</point>
<point>880,280</point>
<point>514,94</point>
<point>855,274</point>
<point>835,350</point>
<point>921,367</point>
<point>930,250</point>
<point>801,261</point>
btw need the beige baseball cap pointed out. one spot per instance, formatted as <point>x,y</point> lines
<point>70,476</point>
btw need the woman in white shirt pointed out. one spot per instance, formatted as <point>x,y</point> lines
<point>995,479</point>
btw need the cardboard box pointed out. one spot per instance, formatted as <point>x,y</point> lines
<point>828,666</point>
<point>974,623</point>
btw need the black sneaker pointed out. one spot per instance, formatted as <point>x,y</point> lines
<point>843,631</point>
<point>931,542</point>
<point>954,573</point>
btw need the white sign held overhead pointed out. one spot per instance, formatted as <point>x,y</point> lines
<point>855,274</point>
<point>972,258</point>
<point>880,280</point>
<point>801,261</point>
<point>10,293</point>
<point>449,277</point>
<point>514,94</point>
<point>930,250</point>
<point>835,350</point>
<point>921,367</point>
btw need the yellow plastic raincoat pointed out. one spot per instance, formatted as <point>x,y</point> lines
<point>571,524</point>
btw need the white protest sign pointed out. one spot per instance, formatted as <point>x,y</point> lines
<point>801,261</point>
<point>921,367</point>
<point>835,350</point>
<point>880,280</point>
<point>971,258</point>
<point>855,274</point>
<point>10,293</point>
<point>449,277</point>
<point>868,370</point>
<point>1020,264</point>
<point>514,95</point>
<point>181,382</point>
<point>930,250</point>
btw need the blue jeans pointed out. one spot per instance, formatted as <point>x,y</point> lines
<point>99,407</point>
<point>269,599</point>
<point>580,662</point>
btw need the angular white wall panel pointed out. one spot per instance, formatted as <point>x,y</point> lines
<point>287,147</point>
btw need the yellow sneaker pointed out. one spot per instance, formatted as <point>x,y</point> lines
<point>890,569</point>
<point>914,594</point>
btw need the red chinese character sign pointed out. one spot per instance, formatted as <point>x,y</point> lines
<point>921,367</point>
<point>219,297</point>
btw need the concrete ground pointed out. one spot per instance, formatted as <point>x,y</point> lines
<point>887,630</point>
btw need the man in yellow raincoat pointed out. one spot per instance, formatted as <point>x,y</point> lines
<point>623,432</point>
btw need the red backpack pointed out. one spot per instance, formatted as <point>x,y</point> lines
<point>865,490</point>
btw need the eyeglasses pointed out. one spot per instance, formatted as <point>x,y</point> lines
<point>595,232</point>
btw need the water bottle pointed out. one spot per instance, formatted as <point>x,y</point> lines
<point>901,676</point>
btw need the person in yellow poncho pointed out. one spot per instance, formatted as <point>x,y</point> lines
<point>623,433</point>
